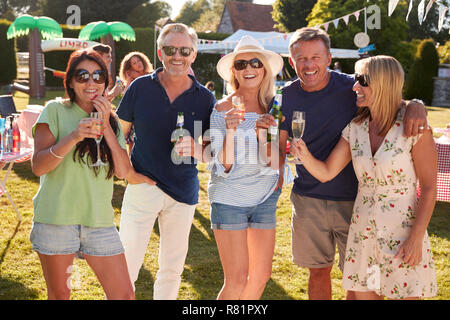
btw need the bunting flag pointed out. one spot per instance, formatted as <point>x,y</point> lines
<point>346,19</point>
<point>356,14</point>
<point>336,22</point>
<point>442,11</point>
<point>392,5</point>
<point>420,11</point>
<point>325,25</point>
<point>430,3</point>
<point>409,9</point>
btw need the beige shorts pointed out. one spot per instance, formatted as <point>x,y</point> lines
<point>317,226</point>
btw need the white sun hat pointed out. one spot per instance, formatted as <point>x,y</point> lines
<point>249,44</point>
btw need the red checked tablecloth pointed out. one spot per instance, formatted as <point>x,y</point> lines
<point>443,175</point>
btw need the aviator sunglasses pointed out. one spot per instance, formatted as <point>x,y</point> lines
<point>82,76</point>
<point>242,64</point>
<point>361,79</point>
<point>184,51</point>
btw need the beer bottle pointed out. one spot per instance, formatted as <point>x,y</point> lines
<point>274,131</point>
<point>178,131</point>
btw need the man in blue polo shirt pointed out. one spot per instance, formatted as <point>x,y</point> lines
<point>322,211</point>
<point>158,187</point>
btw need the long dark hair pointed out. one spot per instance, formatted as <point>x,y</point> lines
<point>88,146</point>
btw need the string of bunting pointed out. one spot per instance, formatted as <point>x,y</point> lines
<point>422,14</point>
<point>422,10</point>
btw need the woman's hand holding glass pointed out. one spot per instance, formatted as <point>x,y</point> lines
<point>233,118</point>
<point>299,150</point>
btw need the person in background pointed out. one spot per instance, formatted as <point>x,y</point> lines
<point>115,87</point>
<point>337,67</point>
<point>243,191</point>
<point>388,250</point>
<point>135,64</point>
<point>72,208</point>
<point>159,187</point>
<point>210,86</point>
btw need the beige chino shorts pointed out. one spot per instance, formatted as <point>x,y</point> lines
<point>317,226</point>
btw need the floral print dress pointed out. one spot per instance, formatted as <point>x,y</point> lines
<point>383,215</point>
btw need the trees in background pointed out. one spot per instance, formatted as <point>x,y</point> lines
<point>291,15</point>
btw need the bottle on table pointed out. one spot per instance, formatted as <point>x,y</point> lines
<point>15,134</point>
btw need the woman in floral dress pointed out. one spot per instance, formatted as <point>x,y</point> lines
<point>388,252</point>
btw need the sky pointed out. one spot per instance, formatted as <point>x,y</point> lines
<point>178,4</point>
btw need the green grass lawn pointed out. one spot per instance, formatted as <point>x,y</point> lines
<point>21,274</point>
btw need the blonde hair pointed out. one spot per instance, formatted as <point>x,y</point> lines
<point>385,77</point>
<point>125,65</point>
<point>180,28</point>
<point>267,86</point>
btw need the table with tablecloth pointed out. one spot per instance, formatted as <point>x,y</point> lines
<point>9,158</point>
<point>443,174</point>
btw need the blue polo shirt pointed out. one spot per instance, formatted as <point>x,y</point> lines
<point>328,111</point>
<point>148,107</point>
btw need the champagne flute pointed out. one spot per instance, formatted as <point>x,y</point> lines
<point>99,126</point>
<point>2,130</point>
<point>238,104</point>
<point>298,128</point>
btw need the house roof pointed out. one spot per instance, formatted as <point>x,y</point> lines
<point>251,16</point>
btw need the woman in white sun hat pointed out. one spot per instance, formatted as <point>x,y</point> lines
<point>245,185</point>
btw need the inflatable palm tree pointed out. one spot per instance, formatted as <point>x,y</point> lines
<point>35,27</point>
<point>108,32</point>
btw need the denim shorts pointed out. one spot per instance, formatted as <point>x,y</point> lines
<point>261,216</point>
<point>52,239</point>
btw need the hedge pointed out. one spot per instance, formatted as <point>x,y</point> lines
<point>419,81</point>
<point>8,64</point>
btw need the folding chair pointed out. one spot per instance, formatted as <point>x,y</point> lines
<point>7,106</point>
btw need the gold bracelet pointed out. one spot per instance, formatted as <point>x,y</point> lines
<point>54,154</point>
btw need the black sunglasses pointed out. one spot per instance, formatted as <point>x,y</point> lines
<point>361,79</point>
<point>184,51</point>
<point>82,76</point>
<point>242,64</point>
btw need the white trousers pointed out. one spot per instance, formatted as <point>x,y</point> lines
<point>142,204</point>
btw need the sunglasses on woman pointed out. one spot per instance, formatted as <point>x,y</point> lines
<point>242,64</point>
<point>184,51</point>
<point>82,76</point>
<point>361,79</point>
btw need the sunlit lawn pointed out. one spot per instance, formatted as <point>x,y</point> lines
<point>21,275</point>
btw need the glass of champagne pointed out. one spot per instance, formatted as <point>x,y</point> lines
<point>2,130</point>
<point>238,104</point>
<point>99,127</point>
<point>298,128</point>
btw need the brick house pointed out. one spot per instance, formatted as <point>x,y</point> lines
<point>247,16</point>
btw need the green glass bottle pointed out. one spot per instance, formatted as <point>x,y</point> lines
<point>273,132</point>
<point>179,131</point>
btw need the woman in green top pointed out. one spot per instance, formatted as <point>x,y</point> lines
<point>72,208</point>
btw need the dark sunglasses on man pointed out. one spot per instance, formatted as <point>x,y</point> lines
<point>361,79</point>
<point>171,50</point>
<point>82,76</point>
<point>255,63</point>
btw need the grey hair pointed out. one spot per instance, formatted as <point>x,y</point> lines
<point>180,28</point>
